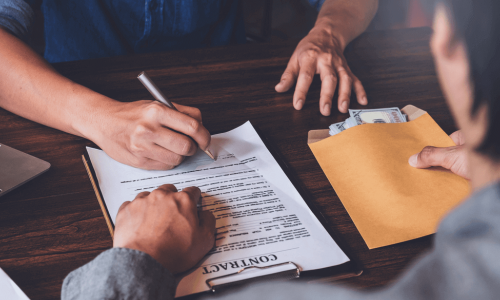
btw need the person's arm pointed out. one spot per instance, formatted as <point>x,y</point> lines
<point>321,52</point>
<point>120,273</point>
<point>462,264</point>
<point>141,133</point>
<point>157,235</point>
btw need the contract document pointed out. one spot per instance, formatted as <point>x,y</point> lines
<point>261,218</point>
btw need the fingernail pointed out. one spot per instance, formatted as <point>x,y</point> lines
<point>344,105</point>
<point>413,160</point>
<point>279,86</point>
<point>299,104</point>
<point>365,100</point>
<point>326,109</point>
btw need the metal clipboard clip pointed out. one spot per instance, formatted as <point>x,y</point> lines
<point>286,270</point>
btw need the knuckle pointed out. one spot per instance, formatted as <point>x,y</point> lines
<point>153,110</point>
<point>307,75</point>
<point>327,59</point>
<point>330,77</point>
<point>197,113</point>
<point>142,131</point>
<point>187,146</point>
<point>347,78</point>
<point>427,152</point>
<point>184,199</point>
<point>287,74</point>
<point>158,194</point>
<point>137,149</point>
<point>339,61</point>
<point>177,160</point>
<point>194,126</point>
<point>341,71</point>
<point>327,96</point>
<point>310,53</point>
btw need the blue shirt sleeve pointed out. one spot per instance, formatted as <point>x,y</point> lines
<point>16,16</point>
<point>316,3</point>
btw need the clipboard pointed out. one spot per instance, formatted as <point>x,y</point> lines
<point>282,271</point>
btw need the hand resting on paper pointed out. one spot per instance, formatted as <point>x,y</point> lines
<point>451,158</point>
<point>167,225</point>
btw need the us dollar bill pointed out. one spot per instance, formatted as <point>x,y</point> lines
<point>366,116</point>
<point>337,128</point>
<point>381,115</point>
<point>341,126</point>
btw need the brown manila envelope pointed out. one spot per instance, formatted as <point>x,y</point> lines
<point>388,200</point>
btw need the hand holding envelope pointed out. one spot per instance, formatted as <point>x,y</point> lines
<point>388,200</point>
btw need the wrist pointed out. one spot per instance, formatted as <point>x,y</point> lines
<point>92,115</point>
<point>326,27</point>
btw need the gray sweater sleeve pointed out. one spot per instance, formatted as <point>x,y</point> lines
<point>120,273</point>
<point>16,16</point>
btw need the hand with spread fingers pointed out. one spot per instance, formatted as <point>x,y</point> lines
<point>167,225</point>
<point>452,158</point>
<point>321,52</point>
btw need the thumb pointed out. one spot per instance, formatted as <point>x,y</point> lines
<point>458,138</point>
<point>431,157</point>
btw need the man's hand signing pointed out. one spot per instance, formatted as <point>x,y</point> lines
<point>144,134</point>
<point>321,52</point>
<point>167,225</point>
<point>148,135</point>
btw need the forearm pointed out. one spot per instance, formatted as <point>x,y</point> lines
<point>31,88</point>
<point>120,273</point>
<point>346,19</point>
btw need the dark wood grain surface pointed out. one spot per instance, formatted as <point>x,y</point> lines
<point>53,224</point>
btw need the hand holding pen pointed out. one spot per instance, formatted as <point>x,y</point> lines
<point>160,97</point>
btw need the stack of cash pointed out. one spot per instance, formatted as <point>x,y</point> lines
<point>365,116</point>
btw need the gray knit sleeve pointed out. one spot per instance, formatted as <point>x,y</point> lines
<point>120,273</point>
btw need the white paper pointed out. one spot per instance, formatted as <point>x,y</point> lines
<point>9,290</point>
<point>261,218</point>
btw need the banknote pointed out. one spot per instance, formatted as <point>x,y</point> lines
<point>365,116</point>
<point>337,128</point>
<point>341,126</point>
<point>381,115</point>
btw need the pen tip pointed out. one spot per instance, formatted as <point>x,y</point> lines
<point>210,154</point>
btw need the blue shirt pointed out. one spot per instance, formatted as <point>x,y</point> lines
<point>83,29</point>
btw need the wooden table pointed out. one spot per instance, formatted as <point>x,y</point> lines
<point>53,224</point>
